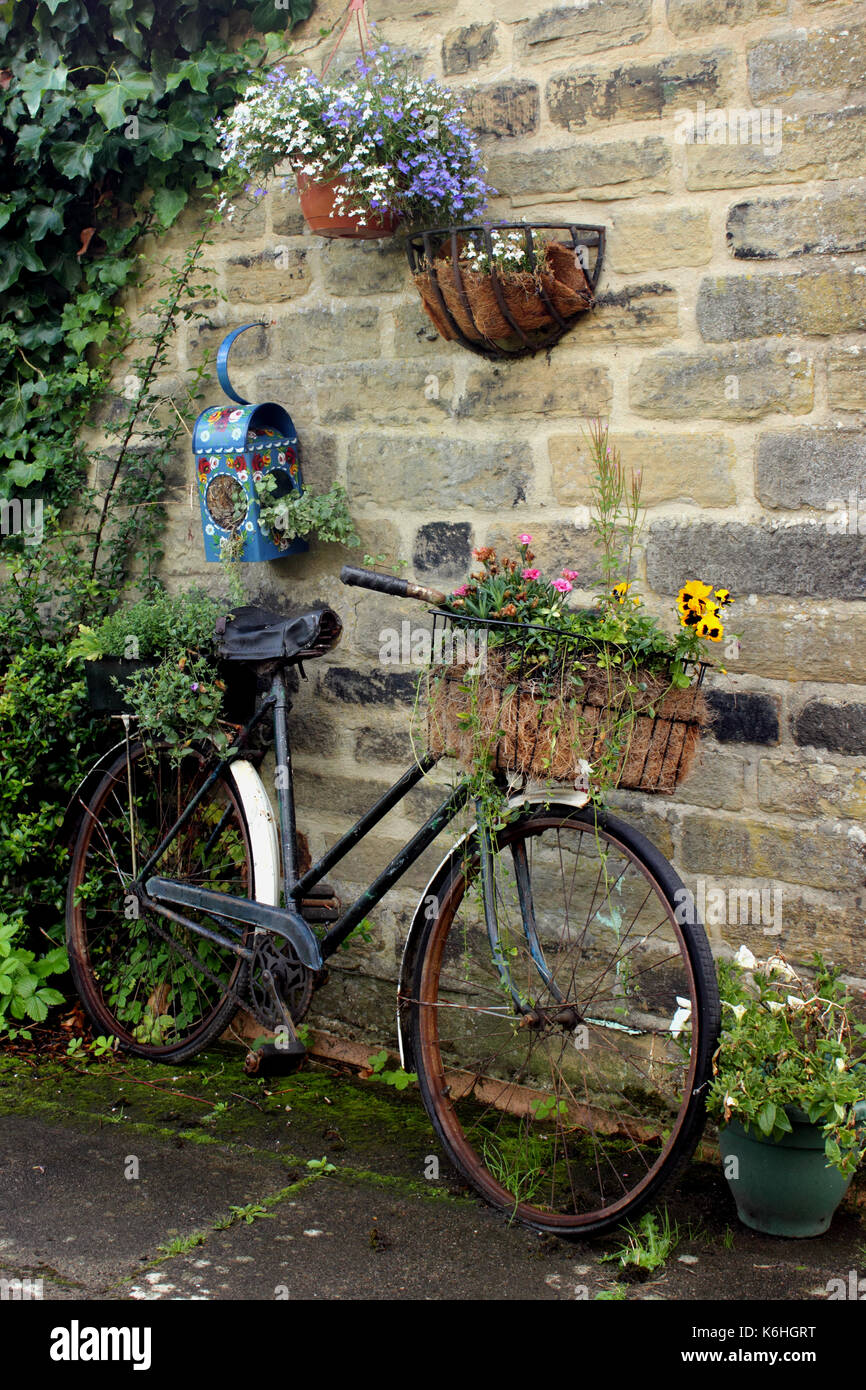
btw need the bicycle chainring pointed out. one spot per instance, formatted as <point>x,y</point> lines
<point>294,982</point>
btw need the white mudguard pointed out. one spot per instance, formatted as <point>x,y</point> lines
<point>262,826</point>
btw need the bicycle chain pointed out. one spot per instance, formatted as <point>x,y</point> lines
<point>226,990</point>
<point>246,1001</point>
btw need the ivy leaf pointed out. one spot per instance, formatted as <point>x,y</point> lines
<point>167,204</point>
<point>29,140</point>
<point>16,256</point>
<point>73,158</point>
<point>110,99</point>
<point>42,219</point>
<point>269,15</point>
<point>195,71</point>
<point>39,78</point>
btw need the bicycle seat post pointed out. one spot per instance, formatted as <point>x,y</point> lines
<point>285,785</point>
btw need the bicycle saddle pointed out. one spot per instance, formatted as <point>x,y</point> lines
<point>257,634</point>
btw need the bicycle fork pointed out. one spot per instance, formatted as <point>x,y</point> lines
<point>488,858</point>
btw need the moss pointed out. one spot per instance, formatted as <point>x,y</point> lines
<point>316,1111</point>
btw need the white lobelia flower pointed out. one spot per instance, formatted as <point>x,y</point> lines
<point>745,958</point>
<point>738,1010</point>
<point>840,1063</point>
<point>681,1017</point>
<point>795,1002</point>
<point>730,1101</point>
<point>774,1006</point>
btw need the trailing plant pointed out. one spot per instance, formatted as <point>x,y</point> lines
<point>789,1042</point>
<point>77,575</point>
<point>178,702</point>
<point>107,127</point>
<point>394,142</point>
<point>295,515</point>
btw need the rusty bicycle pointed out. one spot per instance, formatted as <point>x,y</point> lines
<point>559,1012</point>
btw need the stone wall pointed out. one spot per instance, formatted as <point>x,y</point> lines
<point>728,352</point>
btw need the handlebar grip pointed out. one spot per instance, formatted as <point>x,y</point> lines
<point>389,584</point>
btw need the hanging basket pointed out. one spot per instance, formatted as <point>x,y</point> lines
<point>546,719</point>
<point>317,206</point>
<point>513,314</point>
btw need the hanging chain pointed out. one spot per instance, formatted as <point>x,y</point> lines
<point>356,8</point>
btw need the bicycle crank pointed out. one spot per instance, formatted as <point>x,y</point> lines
<point>280,988</point>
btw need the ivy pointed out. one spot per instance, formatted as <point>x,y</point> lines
<point>107,115</point>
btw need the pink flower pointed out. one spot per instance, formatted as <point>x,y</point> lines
<point>532,574</point>
<point>464,589</point>
<point>525,539</point>
<point>569,574</point>
<point>562,585</point>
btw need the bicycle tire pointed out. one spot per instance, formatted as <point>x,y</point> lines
<point>130,972</point>
<point>516,1133</point>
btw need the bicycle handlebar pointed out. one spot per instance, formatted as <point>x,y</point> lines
<point>390,584</point>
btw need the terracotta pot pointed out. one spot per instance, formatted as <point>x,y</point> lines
<point>317,205</point>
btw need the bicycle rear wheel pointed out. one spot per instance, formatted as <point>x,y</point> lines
<point>565,1081</point>
<point>162,990</point>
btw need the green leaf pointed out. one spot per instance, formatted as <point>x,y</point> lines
<point>38,78</point>
<point>14,257</point>
<point>50,996</point>
<point>110,99</point>
<point>268,16</point>
<point>195,71</point>
<point>168,203</point>
<point>36,1009</point>
<point>73,158</point>
<point>767,1118</point>
<point>42,219</point>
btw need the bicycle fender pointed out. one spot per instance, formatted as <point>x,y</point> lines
<point>430,898</point>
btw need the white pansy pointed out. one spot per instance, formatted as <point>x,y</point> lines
<point>745,958</point>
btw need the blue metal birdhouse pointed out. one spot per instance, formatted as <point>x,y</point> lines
<point>235,448</point>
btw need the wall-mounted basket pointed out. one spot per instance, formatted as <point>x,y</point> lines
<point>513,314</point>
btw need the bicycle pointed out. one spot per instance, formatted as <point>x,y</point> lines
<point>560,1015</point>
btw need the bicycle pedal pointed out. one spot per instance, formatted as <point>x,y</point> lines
<point>272,1059</point>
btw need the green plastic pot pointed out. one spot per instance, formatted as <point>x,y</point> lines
<point>783,1187</point>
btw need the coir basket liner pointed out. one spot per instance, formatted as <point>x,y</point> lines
<point>473,303</point>
<point>544,726</point>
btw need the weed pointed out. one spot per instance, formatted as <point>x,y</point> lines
<point>649,1244</point>
<point>182,1244</point>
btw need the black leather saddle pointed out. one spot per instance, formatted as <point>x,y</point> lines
<point>257,634</point>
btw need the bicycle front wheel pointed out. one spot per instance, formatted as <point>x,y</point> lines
<point>161,989</point>
<point>563,1057</point>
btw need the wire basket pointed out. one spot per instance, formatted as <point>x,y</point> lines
<point>507,315</point>
<point>533,707</point>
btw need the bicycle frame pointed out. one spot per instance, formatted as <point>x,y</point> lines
<point>164,896</point>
